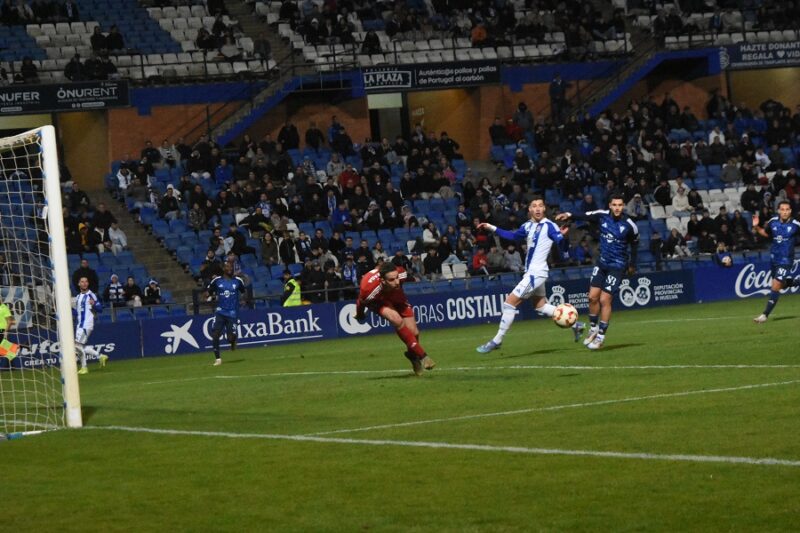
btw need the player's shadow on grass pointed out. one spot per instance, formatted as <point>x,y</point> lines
<point>87,412</point>
<point>782,318</point>
<point>528,354</point>
<point>232,361</point>
<point>608,347</point>
<point>395,376</point>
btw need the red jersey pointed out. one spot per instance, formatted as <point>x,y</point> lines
<point>375,296</point>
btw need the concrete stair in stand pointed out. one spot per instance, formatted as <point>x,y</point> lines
<point>147,251</point>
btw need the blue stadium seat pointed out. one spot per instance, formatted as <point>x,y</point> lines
<point>124,314</point>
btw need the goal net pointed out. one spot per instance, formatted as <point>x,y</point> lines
<point>38,380</point>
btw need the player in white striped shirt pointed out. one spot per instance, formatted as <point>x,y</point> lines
<point>86,304</point>
<point>540,234</point>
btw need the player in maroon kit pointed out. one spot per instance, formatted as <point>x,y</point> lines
<point>382,293</point>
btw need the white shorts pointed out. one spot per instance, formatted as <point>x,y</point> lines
<point>530,285</point>
<point>82,335</point>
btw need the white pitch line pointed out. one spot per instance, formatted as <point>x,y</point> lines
<point>558,407</point>
<point>480,368</point>
<point>760,461</point>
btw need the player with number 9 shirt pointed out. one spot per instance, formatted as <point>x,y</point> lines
<point>617,232</point>
<point>784,233</point>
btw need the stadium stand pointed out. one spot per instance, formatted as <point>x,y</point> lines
<point>664,159</point>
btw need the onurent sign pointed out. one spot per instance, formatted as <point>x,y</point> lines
<point>393,78</point>
<point>63,97</point>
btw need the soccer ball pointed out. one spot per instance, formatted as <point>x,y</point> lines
<point>565,316</point>
<point>727,261</point>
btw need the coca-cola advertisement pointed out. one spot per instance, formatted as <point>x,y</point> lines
<point>739,281</point>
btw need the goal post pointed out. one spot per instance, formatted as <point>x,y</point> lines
<point>38,379</point>
<point>61,278</point>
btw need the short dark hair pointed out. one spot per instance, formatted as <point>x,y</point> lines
<point>386,267</point>
<point>787,202</point>
<point>536,197</point>
<point>616,195</point>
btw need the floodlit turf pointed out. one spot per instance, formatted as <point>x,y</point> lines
<point>678,393</point>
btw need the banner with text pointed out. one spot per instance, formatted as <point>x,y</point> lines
<point>641,290</point>
<point>739,281</point>
<point>191,334</point>
<point>760,55</point>
<point>413,77</point>
<point>83,96</point>
<point>439,310</point>
<point>41,348</point>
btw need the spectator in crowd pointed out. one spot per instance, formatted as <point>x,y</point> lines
<point>675,245</point>
<point>133,294</point>
<point>28,71</point>
<point>479,263</point>
<point>196,218</point>
<point>114,40</point>
<point>114,293</point>
<point>168,207</point>
<point>731,174</point>
<point>636,208</point>
<point>98,40</point>
<point>152,293</point>
<point>85,271</point>
<point>695,200</point>
<point>558,98</point>
<point>681,202</point>
<point>432,265</point>
<point>117,237</point>
<point>74,70</point>
<point>750,199</point>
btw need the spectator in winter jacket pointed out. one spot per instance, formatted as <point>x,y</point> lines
<point>133,294</point>
<point>152,293</point>
<point>114,293</point>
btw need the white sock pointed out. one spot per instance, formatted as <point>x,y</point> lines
<point>82,351</point>
<point>509,313</point>
<point>91,351</point>
<point>546,310</point>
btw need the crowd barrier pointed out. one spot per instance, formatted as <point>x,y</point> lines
<point>275,326</point>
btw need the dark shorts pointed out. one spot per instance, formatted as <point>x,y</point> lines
<point>781,272</point>
<point>606,279</point>
<point>224,323</point>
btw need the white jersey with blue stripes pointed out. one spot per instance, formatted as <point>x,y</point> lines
<point>85,318</point>
<point>540,237</point>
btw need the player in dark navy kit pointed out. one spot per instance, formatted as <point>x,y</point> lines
<point>617,232</point>
<point>784,233</point>
<point>227,288</point>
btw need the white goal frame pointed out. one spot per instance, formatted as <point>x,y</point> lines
<point>61,279</point>
<point>49,288</point>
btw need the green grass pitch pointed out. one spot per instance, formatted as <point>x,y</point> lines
<point>688,420</point>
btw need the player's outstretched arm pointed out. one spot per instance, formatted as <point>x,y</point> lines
<point>360,314</point>
<point>519,235</point>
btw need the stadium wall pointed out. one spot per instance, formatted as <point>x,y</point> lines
<point>756,86</point>
<point>272,326</point>
<point>84,139</point>
<point>128,129</point>
<point>692,92</point>
<point>302,108</point>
